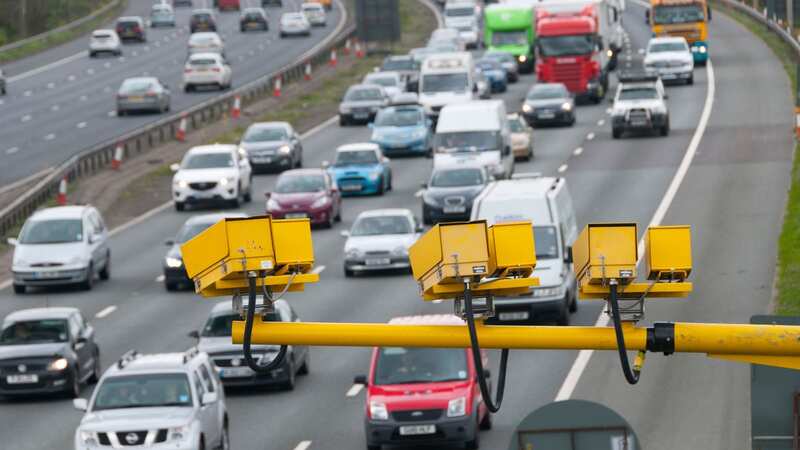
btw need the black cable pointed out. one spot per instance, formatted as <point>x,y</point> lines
<point>478,362</point>
<point>632,375</point>
<point>248,333</point>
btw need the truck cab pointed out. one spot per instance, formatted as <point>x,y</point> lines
<point>684,18</point>
<point>510,28</point>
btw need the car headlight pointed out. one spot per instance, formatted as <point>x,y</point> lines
<point>429,199</point>
<point>374,176</point>
<point>548,292</point>
<point>320,202</point>
<point>522,58</point>
<point>378,411</point>
<point>173,262</point>
<point>610,53</point>
<point>353,253</point>
<point>420,133</point>
<point>181,184</point>
<point>272,204</point>
<point>57,365</point>
<point>400,251</point>
<point>457,407</point>
<point>566,106</point>
<point>344,110</point>
<point>285,149</point>
<point>88,437</point>
<point>526,108</point>
<point>179,433</point>
<point>242,152</point>
<point>226,181</point>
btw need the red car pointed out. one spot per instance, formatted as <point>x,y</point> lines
<point>418,396</point>
<point>228,4</point>
<point>306,193</point>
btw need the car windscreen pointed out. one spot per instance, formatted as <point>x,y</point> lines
<point>499,56</point>
<point>379,225</point>
<point>294,184</point>
<point>459,12</point>
<point>457,178</point>
<point>127,24</point>
<point>668,47</point>
<point>208,161</point>
<point>399,64</point>
<point>383,81</point>
<point>34,332</point>
<point>678,14</point>
<point>516,125</point>
<point>580,44</point>
<point>356,157</point>
<point>360,95</point>
<point>51,231</point>
<point>265,134</point>
<point>509,38</point>
<point>489,65</point>
<point>143,391</point>
<point>445,82</point>
<point>190,230</point>
<point>542,92</point>
<point>222,325</point>
<point>468,141</point>
<point>399,365</point>
<point>135,86</point>
<point>252,15</point>
<point>546,241</point>
<point>398,118</point>
<point>644,93</point>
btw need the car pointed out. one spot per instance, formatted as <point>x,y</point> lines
<point>162,15</point>
<point>104,41</point>
<point>212,173</point>
<point>464,17</point>
<point>206,42</point>
<point>495,74</point>
<point>403,128</point>
<point>182,2</point>
<point>143,94</point>
<point>670,58</point>
<point>131,27</point>
<point>392,82</point>
<point>224,5</point>
<point>406,66</point>
<point>361,103</point>
<point>294,24</point>
<point>306,193</point>
<point>61,245</point>
<point>482,89</point>
<point>166,400</point>
<point>228,358</point>
<point>315,13</point>
<point>423,396</point>
<point>174,271</point>
<point>2,82</point>
<point>639,105</point>
<point>272,145</point>
<point>253,19</point>
<point>361,169</point>
<point>521,138</point>
<point>549,103</point>
<point>327,4</point>
<point>202,20</point>
<point>207,69</point>
<point>379,240</point>
<point>449,193</point>
<point>508,61</point>
<point>278,3</point>
<point>47,351</point>
<point>446,36</point>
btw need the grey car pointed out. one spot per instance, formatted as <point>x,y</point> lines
<point>162,15</point>
<point>549,103</point>
<point>449,194</point>
<point>142,94</point>
<point>508,62</point>
<point>406,66</point>
<point>272,145</point>
<point>215,339</point>
<point>361,103</point>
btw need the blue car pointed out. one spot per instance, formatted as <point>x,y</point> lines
<point>361,169</point>
<point>402,129</point>
<point>495,74</point>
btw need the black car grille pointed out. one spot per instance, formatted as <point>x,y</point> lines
<point>639,115</point>
<point>202,186</point>
<point>436,108</point>
<point>415,415</point>
<point>8,367</point>
<point>454,201</point>
<point>141,437</point>
<point>124,437</point>
<point>377,253</point>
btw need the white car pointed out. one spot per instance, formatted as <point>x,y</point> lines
<point>294,24</point>
<point>670,58</point>
<point>212,173</point>
<point>61,245</point>
<point>464,17</point>
<point>104,41</point>
<point>315,13</point>
<point>207,69</point>
<point>379,240</point>
<point>206,42</point>
<point>443,36</point>
<point>639,105</point>
<point>392,82</point>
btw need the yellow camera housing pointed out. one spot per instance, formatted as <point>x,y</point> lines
<point>605,251</point>
<point>668,253</point>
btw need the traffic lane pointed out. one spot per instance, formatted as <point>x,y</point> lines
<point>733,196</point>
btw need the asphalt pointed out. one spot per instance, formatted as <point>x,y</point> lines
<point>62,102</point>
<point>733,196</point>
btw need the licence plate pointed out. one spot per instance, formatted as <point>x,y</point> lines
<point>454,209</point>
<point>412,430</point>
<point>546,115</point>
<point>638,123</point>
<point>360,115</point>
<point>46,275</point>
<point>262,159</point>
<point>22,379</point>
<point>351,187</point>
<point>253,25</point>
<point>236,372</point>
<point>520,315</point>
<point>296,215</point>
<point>135,98</point>
<point>378,261</point>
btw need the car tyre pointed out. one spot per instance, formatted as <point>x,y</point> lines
<point>690,81</point>
<point>389,183</point>
<point>486,423</point>
<point>92,54</point>
<point>348,273</point>
<point>120,112</point>
<point>475,443</point>
<point>343,121</point>
<point>74,388</point>
<point>225,439</point>
<point>573,306</point>
<point>105,274</point>
<point>180,206</point>
<point>289,384</point>
<point>616,133</point>
<point>248,196</point>
<point>19,289</point>
<point>188,88</point>
<point>170,286</point>
<point>338,216</point>
<point>87,284</point>
<point>96,370</point>
<point>664,131</point>
<point>304,369</point>
<point>380,186</point>
<point>373,447</point>
<point>563,314</point>
<point>237,201</point>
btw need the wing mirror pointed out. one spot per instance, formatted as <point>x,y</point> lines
<point>174,167</point>
<point>568,255</point>
<point>169,242</point>
<point>345,233</point>
<point>194,334</point>
<point>360,379</point>
<point>95,237</point>
<point>11,241</point>
<point>81,404</point>
<point>209,398</point>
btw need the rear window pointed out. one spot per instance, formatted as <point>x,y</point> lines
<point>201,17</point>
<point>101,35</point>
<point>356,95</point>
<point>127,23</point>
<point>136,86</point>
<point>203,62</point>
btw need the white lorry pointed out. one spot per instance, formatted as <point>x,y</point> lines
<point>446,78</point>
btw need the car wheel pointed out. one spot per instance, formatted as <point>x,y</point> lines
<point>248,196</point>
<point>87,284</point>
<point>188,88</point>
<point>220,86</point>
<point>74,388</point>
<point>299,160</point>
<point>573,306</point>
<point>338,217</point>
<point>563,314</point>
<point>19,289</point>
<point>283,35</point>
<point>348,273</point>
<point>120,112</point>
<point>690,81</point>
<point>304,368</point>
<point>616,133</point>
<point>475,443</point>
<point>242,29</point>
<point>105,274</point>
<point>380,185</point>
<point>389,184</point>
<point>92,54</point>
<point>96,370</point>
<point>289,384</point>
<point>664,131</point>
<point>486,423</point>
<point>238,199</point>
<point>342,121</point>
<point>180,206</point>
<point>225,439</point>
<point>373,447</point>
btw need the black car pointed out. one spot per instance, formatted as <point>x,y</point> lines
<point>202,20</point>
<point>272,146</point>
<point>253,19</point>
<point>449,194</point>
<point>131,28</point>
<point>181,2</point>
<point>549,103</point>
<point>47,350</point>
<point>174,271</point>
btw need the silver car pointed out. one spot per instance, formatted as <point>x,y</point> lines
<point>361,103</point>
<point>142,94</point>
<point>104,41</point>
<point>315,13</point>
<point>379,240</point>
<point>162,15</point>
<point>294,24</point>
<point>272,146</point>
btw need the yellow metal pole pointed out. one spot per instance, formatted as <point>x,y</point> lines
<point>730,339</point>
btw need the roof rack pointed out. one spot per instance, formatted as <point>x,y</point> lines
<point>127,357</point>
<point>637,76</point>
<point>189,354</point>
<point>526,175</point>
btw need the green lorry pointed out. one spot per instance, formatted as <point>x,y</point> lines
<point>511,29</point>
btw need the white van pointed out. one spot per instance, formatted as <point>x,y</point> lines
<point>475,132</point>
<point>446,78</point>
<point>547,204</point>
<point>463,16</point>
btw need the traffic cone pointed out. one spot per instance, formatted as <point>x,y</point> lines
<point>62,192</point>
<point>276,91</point>
<point>236,112</point>
<point>347,45</point>
<point>307,74</point>
<point>116,162</point>
<point>359,50</point>
<point>333,58</point>
<point>180,135</point>
<point>797,122</point>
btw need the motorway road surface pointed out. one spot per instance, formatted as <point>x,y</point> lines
<point>52,114</point>
<point>733,196</point>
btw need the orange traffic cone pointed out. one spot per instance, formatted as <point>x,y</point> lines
<point>333,58</point>
<point>276,91</point>
<point>180,135</point>
<point>359,50</point>
<point>62,192</point>
<point>307,74</point>
<point>236,112</point>
<point>116,162</point>
<point>347,46</point>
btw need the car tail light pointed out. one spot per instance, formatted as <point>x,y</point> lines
<point>187,70</point>
<point>150,94</point>
<point>137,29</point>
<point>216,69</point>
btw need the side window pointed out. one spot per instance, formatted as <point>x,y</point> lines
<point>198,386</point>
<point>74,327</point>
<point>209,383</point>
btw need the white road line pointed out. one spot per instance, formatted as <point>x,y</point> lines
<point>107,65</point>
<point>640,51</point>
<point>90,71</point>
<point>147,48</point>
<point>590,136</point>
<point>51,85</point>
<point>27,93</point>
<point>84,98</point>
<point>354,390</point>
<point>112,114</point>
<point>318,270</point>
<point>134,53</point>
<point>47,67</point>
<point>303,445</point>
<point>105,311</point>
<point>419,193</point>
<point>562,168</point>
<point>577,151</point>
<point>579,366</point>
<point>50,137</point>
<point>26,117</point>
<point>121,59</point>
<point>160,278</point>
<point>81,125</point>
<point>601,122</point>
<point>71,78</point>
<point>55,108</point>
<point>438,300</point>
<point>12,150</point>
<point>2,101</point>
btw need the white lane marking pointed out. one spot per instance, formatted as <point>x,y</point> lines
<point>81,125</point>
<point>156,44</point>
<point>26,117</point>
<point>12,150</point>
<point>601,122</point>
<point>2,101</point>
<point>147,48</point>
<point>55,108</point>
<point>84,98</point>
<point>71,78</point>
<point>629,57</point>
<point>160,278</point>
<point>44,68</point>
<point>51,85</point>
<point>579,366</point>
<point>89,71</point>
<point>640,51</point>
<point>27,93</point>
<point>578,151</point>
<point>562,168</point>
<point>107,65</point>
<point>105,311</point>
<point>419,193</point>
<point>318,270</point>
<point>112,114</point>
<point>122,58</point>
<point>590,136</point>
<point>354,390</point>
<point>303,445</point>
<point>134,53</point>
<point>50,137</point>
<point>438,300</point>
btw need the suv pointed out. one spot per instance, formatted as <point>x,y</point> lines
<point>61,245</point>
<point>168,400</point>
<point>131,28</point>
<point>212,173</point>
<point>671,58</point>
<point>640,105</point>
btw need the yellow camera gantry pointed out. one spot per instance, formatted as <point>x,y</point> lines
<point>471,263</point>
